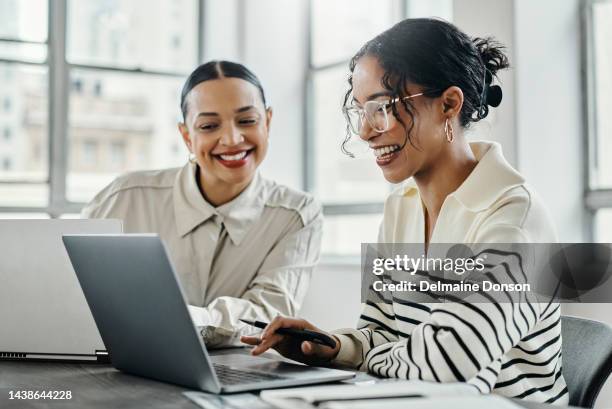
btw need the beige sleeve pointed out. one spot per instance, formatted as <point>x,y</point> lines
<point>279,286</point>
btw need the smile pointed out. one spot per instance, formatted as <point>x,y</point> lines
<point>234,159</point>
<point>236,156</point>
<point>385,150</point>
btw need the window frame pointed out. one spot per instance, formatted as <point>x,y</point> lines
<point>309,160</point>
<point>59,70</point>
<point>595,198</point>
<point>400,8</point>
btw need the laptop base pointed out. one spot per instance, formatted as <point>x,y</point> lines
<point>100,357</point>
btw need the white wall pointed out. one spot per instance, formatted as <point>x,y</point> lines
<point>551,139</point>
<point>221,31</point>
<point>484,18</point>
<point>539,122</point>
<point>549,110</point>
<point>333,299</point>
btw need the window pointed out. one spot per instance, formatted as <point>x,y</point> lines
<point>598,68</point>
<point>7,164</point>
<point>352,189</point>
<point>115,95</point>
<point>89,157</point>
<point>176,41</point>
<point>335,40</point>
<point>136,34</point>
<point>24,216</point>
<point>122,110</point>
<point>24,173</point>
<point>117,154</point>
<point>603,225</point>
<point>121,114</point>
<point>77,85</point>
<point>23,22</point>
<point>97,89</point>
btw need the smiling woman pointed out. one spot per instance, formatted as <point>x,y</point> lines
<point>413,91</point>
<point>226,129</point>
<point>243,246</point>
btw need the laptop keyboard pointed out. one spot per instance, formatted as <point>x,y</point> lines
<point>232,376</point>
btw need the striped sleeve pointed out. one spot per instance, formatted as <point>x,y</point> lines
<point>456,343</point>
<point>376,327</point>
<point>443,342</point>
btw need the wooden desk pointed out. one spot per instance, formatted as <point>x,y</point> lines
<point>92,386</point>
<point>98,386</point>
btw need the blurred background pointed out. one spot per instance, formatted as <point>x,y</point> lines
<point>90,89</point>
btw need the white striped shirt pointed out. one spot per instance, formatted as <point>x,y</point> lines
<point>513,349</point>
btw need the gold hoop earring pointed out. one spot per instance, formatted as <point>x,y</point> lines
<point>448,131</point>
<point>191,158</point>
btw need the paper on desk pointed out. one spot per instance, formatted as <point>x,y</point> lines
<point>234,401</point>
<point>306,397</point>
<point>459,402</point>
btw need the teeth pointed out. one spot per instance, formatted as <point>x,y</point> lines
<point>385,150</point>
<point>237,156</point>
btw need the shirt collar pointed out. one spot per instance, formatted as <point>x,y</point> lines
<point>191,209</point>
<point>492,177</point>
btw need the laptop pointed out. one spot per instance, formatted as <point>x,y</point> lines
<point>43,313</point>
<point>141,312</point>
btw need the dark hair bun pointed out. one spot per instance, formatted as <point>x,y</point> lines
<point>494,59</point>
<point>494,95</point>
<point>492,55</point>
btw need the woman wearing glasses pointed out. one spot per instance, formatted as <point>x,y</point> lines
<point>243,246</point>
<point>414,89</point>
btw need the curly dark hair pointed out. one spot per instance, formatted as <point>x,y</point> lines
<point>434,54</point>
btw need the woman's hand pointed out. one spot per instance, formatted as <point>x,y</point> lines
<point>291,347</point>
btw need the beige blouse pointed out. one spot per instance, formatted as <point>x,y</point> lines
<point>249,258</point>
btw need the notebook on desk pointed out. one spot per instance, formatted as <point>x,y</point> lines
<point>434,402</point>
<point>43,313</point>
<point>379,394</point>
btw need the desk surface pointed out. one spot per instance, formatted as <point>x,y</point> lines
<point>98,386</point>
